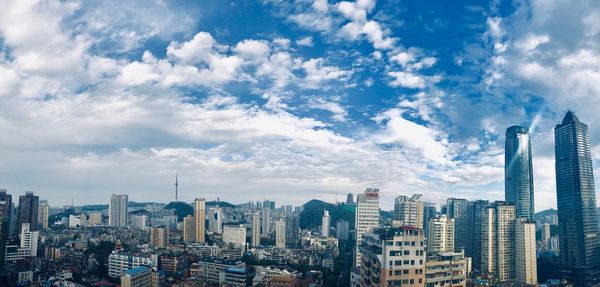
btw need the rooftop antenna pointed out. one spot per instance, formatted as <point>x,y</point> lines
<point>176,187</point>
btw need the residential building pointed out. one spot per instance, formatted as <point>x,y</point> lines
<point>265,221</point>
<point>440,237</point>
<point>429,212</point>
<point>159,237</point>
<point>476,212</point>
<point>43,214</point>
<point>393,257</point>
<point>525,252</point>
<point>117,210</point>
<point>189,229</point>
<point>409,211</point>
<point>292,231</point>
<point>447,269</point>
<point>366,218</point>
<point>95,218</point>
<point>325,220</point>
<point>139,221</point>
<point>497,256</point>
<point>280,233</point>
<point>121,262</point>
<point>5,211</point>
<point>342,230</point>
<point>457,208</point>
<point>28,211</point>
<point>235,234</point>
<point>546,234</point>
<point>140,276</point>
<point>255,224</point>
<point>200,217</point>
<point>215,220</point>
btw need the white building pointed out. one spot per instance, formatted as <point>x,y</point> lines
<point>139,221</point>
<point>255,238</point>
<point>215,220</point>
<point>265,221</point>
<point>280,233</point>
<point>325,222</point>
<point>409,211</point>
<point>497,246</point>
<point>234,234</point>
<point>43,214</point>
<point>367,217</point>
<point>525,252</point>
<point>117,210</point>
<point>29,239</point>
<point>121,262</point>
<point>440,237</point>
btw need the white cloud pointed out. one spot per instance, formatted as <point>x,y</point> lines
<point>306,41</point>
<point>253,49</point>
<point>317,73</point>
<point>407,80</point>
<point>530,42</point>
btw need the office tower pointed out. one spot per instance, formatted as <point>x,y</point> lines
<point>28,209</point>
<point>497,247</point>
<point>325,223</point>
<point>235,235</point>
<point>255,238</point>
<point>476,211</point>
<point>447,269</point>
<point>292,231</point>
<point>117,210</point>
<point>349,198</point>
<point>576,201</point>
<point>268,204</point>
<point>525,252</point>
<point>215,219</point>
<point>518,171</point>
<point>366,218</point>
<point>458,209</point>
<point>266,221</point>
<point>137,277</point>
<point>189,229</point>
<point>409,211</point>
<point>429,213</point>
<point>342,229</point>
<point>391,255</point>
<point>29,239</point>
<point>546,234</point>
<point>280,233</point>
<point>43,214</point>
<point>5,212</point>
<point>200,217</point>
<point>159,237</point>
<point>441,235</point>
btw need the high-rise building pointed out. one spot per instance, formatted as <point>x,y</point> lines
<point>265,221</point>
<point>215,220</point>
<point>43,214</point>
<point>440,237</point>
<point>268,204</point>
<point>189,229</point>
<point>29,239</point>
<point>139,221</point>
<point>200,217</point>
<point>95,218</point>
<point>409,211</point>
<point>497,248</point>
<point>28,210</point>
<point>366,218</point>
<point>292,231</point>
<point>117,210</point>
<point>525,252</point>
<point>518,171</point>
<point>159,237</point>
<point>429,212</point>
<point>255,237</point>
<point>325,223</point>
<point>393,257</point>
<point>458,209</point>
<point>234,234</point>
<point>5,211</point>
<point>576,201</point>
<point>546,234</point>
<point>476,211</point>
<point>280,233</point>
<point>349,198</point>
<point>342,230</point>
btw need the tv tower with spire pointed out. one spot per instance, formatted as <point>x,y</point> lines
<point>176,187</point>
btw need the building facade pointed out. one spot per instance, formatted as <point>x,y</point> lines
<point>518,171</point>
<point>409,211</point>
<point>28,210</point>
<point>117,210</point>
<point>200,219</point>
<point>440,237</point>
<point>366,218</point>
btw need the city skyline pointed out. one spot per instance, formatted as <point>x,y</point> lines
<point>296,100</point>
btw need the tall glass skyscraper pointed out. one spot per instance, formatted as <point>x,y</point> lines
<point>576,200</point>
<point>518,171</point>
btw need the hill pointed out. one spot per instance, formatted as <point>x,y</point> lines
<point>312,213</point>
<point>220,204</point>
<point>181,208</point>
<point>544,213</point>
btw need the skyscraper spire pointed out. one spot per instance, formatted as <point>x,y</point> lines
<point>176,187</point>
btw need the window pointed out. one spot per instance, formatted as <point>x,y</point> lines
<point>406,252</point>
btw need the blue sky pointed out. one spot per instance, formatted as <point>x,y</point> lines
<point>289,100</point>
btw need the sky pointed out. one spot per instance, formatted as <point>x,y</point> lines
<point>288,100</point>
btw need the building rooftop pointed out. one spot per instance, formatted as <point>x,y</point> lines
<point>137,270</point>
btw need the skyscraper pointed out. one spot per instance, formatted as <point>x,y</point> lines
<point>325,223</point>
<point>200,218</point>
<point>28,211</point>
<point>266,221</point>
<point>215,220</point>
<point>441,235</point>
<point>518,171</point>
<point>429,213</point>
<point>280,233</point>
<point>5,211</point>
<point>189,229</point>
<point>117,210</point>
<point>497,247</point>
<point>159,236</point>
<point>476,211</point>
<point>292,231</point>
<point>409,211</point>
<point>367,217</point>
<point>255,238</point>
<point>342,229</point>
<point>576,201</point>
<point>43,214</point>
<point>457,208</point>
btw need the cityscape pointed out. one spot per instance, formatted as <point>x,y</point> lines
<point>299,143</point>
<point>348,243</point>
